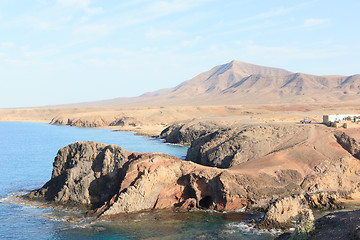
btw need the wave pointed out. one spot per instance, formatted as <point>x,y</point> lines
<point>250,228</point>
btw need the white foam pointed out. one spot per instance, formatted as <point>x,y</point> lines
<point>250,228</point>
<point>11,197</point>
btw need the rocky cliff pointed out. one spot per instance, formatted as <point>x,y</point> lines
<point>286,171</point>
<point>117,181</point>
<point>232,146</point>
<point>351,144</point>
<point>186,133</point>
<point>84,172</point>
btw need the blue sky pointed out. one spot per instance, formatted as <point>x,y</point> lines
<point>66,51</point>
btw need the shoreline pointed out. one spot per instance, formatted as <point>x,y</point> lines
<point>312,145</point>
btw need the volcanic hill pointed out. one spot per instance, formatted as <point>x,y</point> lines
<point>243,83</point>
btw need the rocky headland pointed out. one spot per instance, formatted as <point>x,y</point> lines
<point>284,170</point>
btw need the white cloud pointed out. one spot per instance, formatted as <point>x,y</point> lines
<point>258,17</point>
<point>66,19</point>
<point>41,53</point>
<point>160,34</point>
<point>94,30</point>
<point>166,7</point>
<point>110,51</point>
<point>3,54</point>
<point>192,42</point>
<point>7,44</point>
<point>93,61</point>
<point>76,3</point>
<point>84,19</point>
<point>314,22</point>
<point>82,4</point>
<point>290,52</point>
<point>94,10</point>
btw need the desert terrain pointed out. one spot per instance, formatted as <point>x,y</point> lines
<point>152,120</point>
<point>247,147</point>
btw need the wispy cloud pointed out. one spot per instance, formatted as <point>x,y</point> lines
<point>101,50</point>
<point>170,7</point>
<point>82,4</point>
<point>314,22</point>
<point>41,53</point>
<point>93,30</point>
<point>264,16</point>
<point>7,44</point>
<point>156,34</point>
<point>192,42</point>
<point>3,54</point>
<point>291,52</point>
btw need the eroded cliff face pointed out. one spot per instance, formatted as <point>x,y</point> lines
<point>351,144</point>
<point>112,180</point>
<point>96,121</point>
<point>186,133</point>
<point>297,168</point>
<point>84,172</point>
<point>225,148</point>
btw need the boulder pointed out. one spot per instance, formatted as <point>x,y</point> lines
<point>284,212</point>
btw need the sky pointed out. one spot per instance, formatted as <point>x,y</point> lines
<point>69,51</point>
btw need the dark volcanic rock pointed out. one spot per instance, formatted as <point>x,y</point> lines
<point>284,211</point>
<point>96,121</point>
<point>337,226</point>
<point>351,144</point>
<point>224,148</point>
<point>116,181</point>
<point>84,172</point>
<point>125,121</point>
<point>283,169</point>
<point>185,133</point>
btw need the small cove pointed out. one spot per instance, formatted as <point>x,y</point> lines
<point>26,155</point>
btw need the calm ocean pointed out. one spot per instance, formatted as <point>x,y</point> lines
<point>27,151</point>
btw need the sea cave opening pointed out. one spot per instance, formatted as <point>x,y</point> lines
<point>205,202</point>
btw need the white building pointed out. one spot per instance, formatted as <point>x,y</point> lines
<point>328,119</point>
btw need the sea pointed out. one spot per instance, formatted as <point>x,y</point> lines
<point>27,151</point>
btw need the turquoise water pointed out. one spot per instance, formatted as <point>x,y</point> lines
<point>27,151</point>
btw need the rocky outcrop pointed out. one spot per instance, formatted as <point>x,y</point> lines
<point>351,144</point>
<point>117,181</point>
<point>281,169</point>
<point>338,225</point>
<point>224,148</point>
<point>186,133</point>
<point>96,121</point>
<point>125,121</point>
<point>283,213</point>
<point>84,172</point>
<point>289,211</point>
<point>112,180</point>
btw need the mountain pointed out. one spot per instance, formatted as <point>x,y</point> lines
<point>243,83</point>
